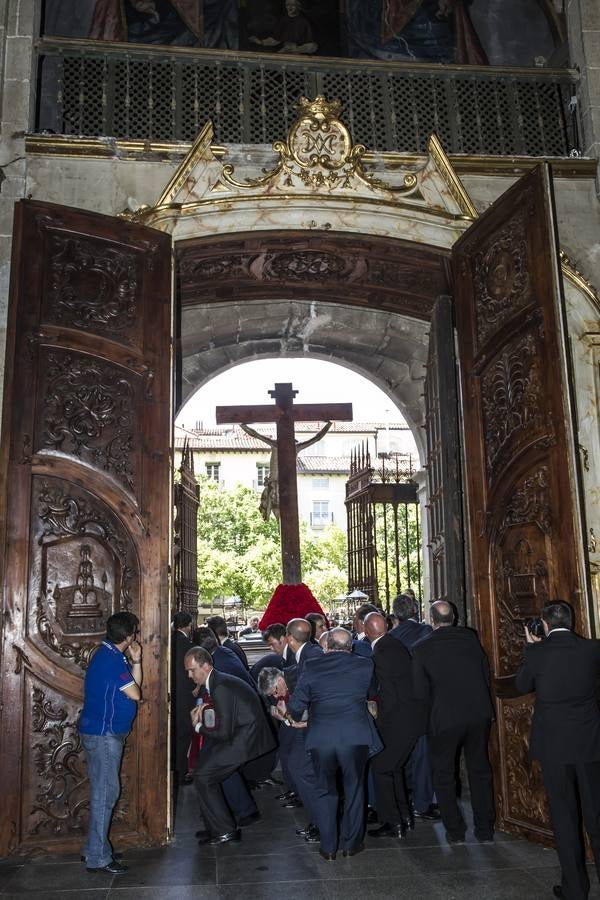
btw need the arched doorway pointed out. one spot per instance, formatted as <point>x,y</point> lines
<point>371,247</point>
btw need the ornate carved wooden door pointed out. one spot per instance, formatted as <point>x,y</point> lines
<point>444,491</point>
<point>521,476</point>
<point>87,498</point>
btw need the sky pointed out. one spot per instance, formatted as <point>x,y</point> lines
<point>315,380</point>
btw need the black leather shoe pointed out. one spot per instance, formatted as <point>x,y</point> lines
<point>287,795</point>
<point>231,837</point>
<point>329,857</point>
<point>113,868</point>
<point>313,836</point>
<point>485,838</point>
<point>558,891</point>
<point>431,814</point>
<point>308,829</point>
<point>294,803</point>
<point>371,816</point>
<point>455,839</point>
<point>389,830</point>
<point>354,850</point>
<point>249,820</point>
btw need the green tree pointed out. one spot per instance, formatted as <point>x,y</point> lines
<point>240,554</point>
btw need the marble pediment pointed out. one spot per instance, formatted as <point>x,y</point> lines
<point>318,164</point>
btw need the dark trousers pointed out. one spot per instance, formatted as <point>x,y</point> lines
<point>301,765</point>
<point>238,797</point>
<point>418,776</point>
<point>444,748</point>
<point>208,781</point>
<point>388,776</point>
<point>572,789</point>
<point>351,761</point>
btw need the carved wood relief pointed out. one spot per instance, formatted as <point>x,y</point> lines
<point>501,276</point>
<point>512,400</point>
<point>56,801</point>
<point>525,799</point>
<point>83,567</point>
<point>92,284</point>
<point>370,271</point>
<point>89,411</point>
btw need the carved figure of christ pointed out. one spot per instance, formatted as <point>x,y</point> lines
<point>284,414</point>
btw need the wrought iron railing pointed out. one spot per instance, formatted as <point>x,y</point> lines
<point>143,93</point>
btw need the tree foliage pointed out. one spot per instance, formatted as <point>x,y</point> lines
<point>239,553</point>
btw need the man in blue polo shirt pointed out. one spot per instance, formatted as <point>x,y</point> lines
<point>111,693</point>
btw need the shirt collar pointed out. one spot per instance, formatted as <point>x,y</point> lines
<point>554,630</point>
<point>376,639</point>
<point>299,652</point>
<point>207,682</point>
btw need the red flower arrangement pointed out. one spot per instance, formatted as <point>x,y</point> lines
<point>289,601</point>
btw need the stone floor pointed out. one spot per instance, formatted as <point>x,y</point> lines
<point>271,863</point>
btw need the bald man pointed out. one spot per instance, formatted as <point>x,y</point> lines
<point>401,719</point>
<point>451,675</point>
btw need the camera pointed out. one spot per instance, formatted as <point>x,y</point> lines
<point>536,627</point>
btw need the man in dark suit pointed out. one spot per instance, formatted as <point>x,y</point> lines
<point>298,638</point>
<point>276,637</point>
<point>401,719</point>
<point>277,686</point>
<point>219,626</point>
<point>563,670</point>
<point>361,644</point>
<point>341,736</point>
<point>409,632</point>
<point>240,733</point>
<point>224,660</point>
<point>451,674</point>
<point>182,698</point>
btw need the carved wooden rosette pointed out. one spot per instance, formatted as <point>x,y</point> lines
<point>87,427</point>
<point>522,516</point>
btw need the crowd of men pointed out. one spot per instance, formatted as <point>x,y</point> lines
<point>368,726</point>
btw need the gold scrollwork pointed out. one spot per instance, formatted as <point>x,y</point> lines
<point>319,153</point>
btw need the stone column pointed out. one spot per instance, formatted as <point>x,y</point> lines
<point>583,23</point>
<point>18,25</point>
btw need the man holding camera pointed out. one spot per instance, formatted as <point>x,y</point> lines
<point>563,670</point>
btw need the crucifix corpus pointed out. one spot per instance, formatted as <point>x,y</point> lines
<point>284,451</point>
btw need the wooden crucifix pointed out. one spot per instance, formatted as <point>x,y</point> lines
<point>284,414</point>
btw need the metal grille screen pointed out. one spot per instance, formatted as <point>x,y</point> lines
<point>152,95</point>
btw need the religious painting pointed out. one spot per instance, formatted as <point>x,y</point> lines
<point>466,32</point>
<point>309,27</point>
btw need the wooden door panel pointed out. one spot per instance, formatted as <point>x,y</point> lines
<point>525,533</point>
<point>444,502</point>
<point>86,436</point>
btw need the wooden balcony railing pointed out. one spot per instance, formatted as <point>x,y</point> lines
<point>156,94</point>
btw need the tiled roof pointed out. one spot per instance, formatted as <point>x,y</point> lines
<point>325,464</point>
<point>232,437</point>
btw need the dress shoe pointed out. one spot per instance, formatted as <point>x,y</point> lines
<point>231,837</point>
<point>249,820</point>
<point>432,814</point>
<point>117,856</point>
<point>113,868</point>
<point>371,816</point>
<point>485,838</point>
<point>455,839</point>
<point>353,850</point>
<point>327,856</point>
<point>313,836</point>
<point>389,830</point>
<point>558,891</point>
<point>308,831</point>
<point>294,803</point>
<point>287,795</point>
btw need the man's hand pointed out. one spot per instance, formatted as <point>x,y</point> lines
<point>196,714</point>
<point>531,638</point>
<point>134,652</point>
<point>282,708</point>
<point>276,713</point>
<point>302,724</point>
